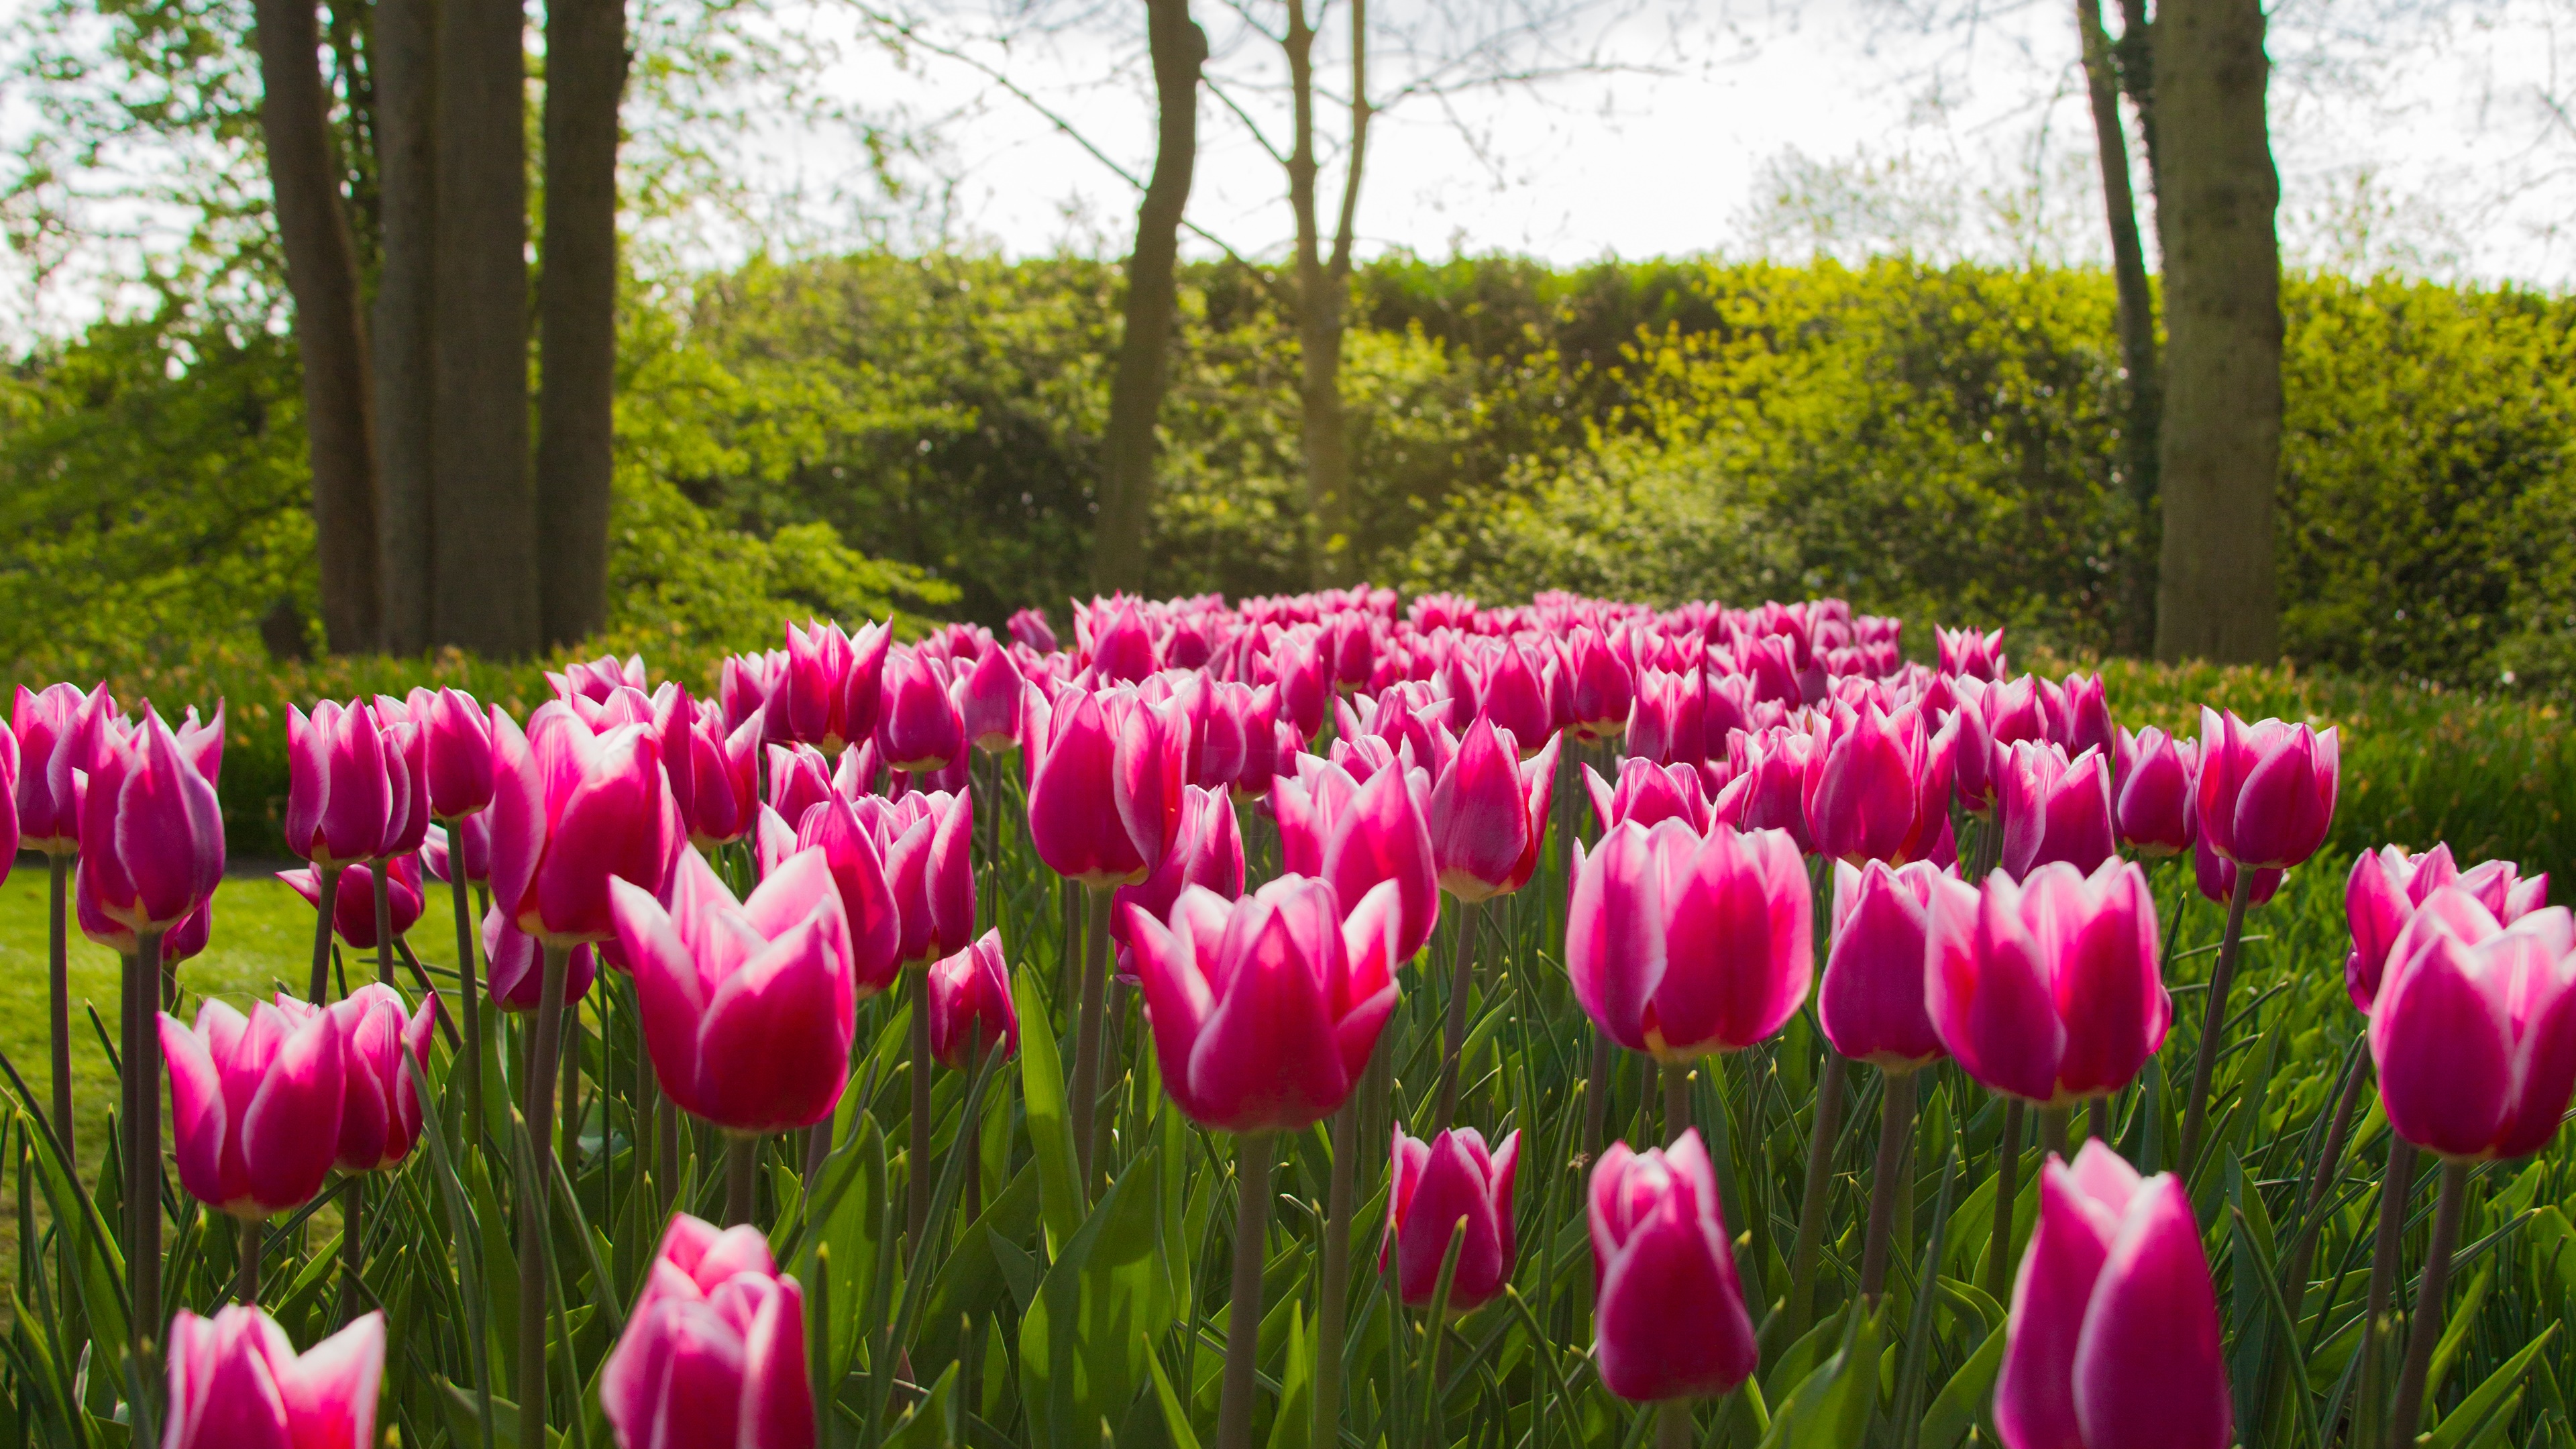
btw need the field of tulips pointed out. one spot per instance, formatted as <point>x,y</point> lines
<point>1312,1021</point>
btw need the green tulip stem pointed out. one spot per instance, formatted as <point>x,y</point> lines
<point>1895,1135</point>
<point>917,1206</point>
<point>1999,1254</point>
<point>1086,1041</point>
<point>59,987</point>
<point>250,1238</point>
<point>1453,1039</point>
<point>2213,1024</point>
<point>2394,1191</point>
<point>2430,1292</point>
<point>1596,1093</point>
<point>1673,1428</point>
<point>1243,1306</point>
<point>742,1177</point>
<point>1812,1208</point>
<point>1677,1102</point>
<point>328,878</point>
<point>1332,1302</point>
<point>353,1244</point>
<point>535,1202</point>
<point>2055,1129</point>
<point>470,997</point>
<point>143,1182</point>
<point>382,875</point>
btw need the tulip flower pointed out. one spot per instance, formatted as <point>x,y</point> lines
<point>1359,835</point>
<point>2266,791</point>
<point>1648,793</point>
<point>2215,876</point>
<point>748,1007</point>
<point>2384,889</point>
<point>743,689</point>
<point>599,678</point>
<point>179,943</point>
<point>349,791</point>
<point>472,850</point>
<point>1877,786</point>
<point>918,727</point>
<point>572,811</point>
<point>713,1356</point>
<point>2053,808</point>
<point>970,1002</point>
<point>857,862</point>
<point>1680,946</point>
<point>456,751</point>
<point>2048,989</point>
<point>831,689</point>
<point>800,779</point>
<point>1074,821</point>
<point>2078,713</point>
<point>1871,1003</point>
<point>1030,629</point>
<point>379,1105</point>
<point>1603,692</point>
<point>1989,720</point>
<point>1265,1010</point>
<point>1438,1185</point>
<point>8,801</point>
<point>353,897</point>
<point>2154,813</point>
<point>236,1382</point>
<point>255,1105</point>
<point>1121,647</point>
<point>713,773</point>
<point>1765,788</point>
<point>1668,1312</point>
<point>1489,814</point>
<point>991,702</point>
<point>927,842</point>
<point>55,734</point>
<point>2113,1340</point>
<point>2471,1030</point>
<point>152,834</point>
<point>1512,696</point>
<point>1209,854</point>
<point>513,971</point>
<point>1966,652</point>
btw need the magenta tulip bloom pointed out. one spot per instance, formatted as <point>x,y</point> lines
<point>456,750</point>
<point>1209,854</point>
<point>2079,715</point>
<point>2381,894</point>
<point>2048,989</point>
<point>1604,691</point>
<point>8,801</point>
<point>1358,836</point>
<point>255,1105</point>
<point>236,1382</point>
<point>1877,786</point>
<point>1030,629</point>
<point>1967,652</point>
<point>1489,814</point>
<point>970,1004</point>
<point>1871,1002</point>
<point>598,679</point>
<point>348,789</point>
<point>857,862</point>
<point>472,850</point>
<point>152,835</point>
<point>353,899</point>
<point>1668,1312</point>
<point>379,1105</point>
<point>1679,946</point>
<point>2266,791</point>
<point>514,972</point>
<point>800,779</point>
<point>748,1007</point>
<point>2113,1341</point>
<point>2215,876</point>
<point>927,842</point>
<point>713,1356</point>
<point>1438,1185</point>
<point>2474,1030</point>
<point>831,689</point>
<point>1766,783</point>
<point>56,733</point>
<point>572,811</point>
<point>991,702</point>
<point>2054,808</point>
<point>1512,697</point>
<point>919,729</point>
<point>2154,811</point>
<point>714,774</point>
<point>1075,818</point>
<point>1648,793</point>
<point>1265,1009</point>
<point>1122,648</point>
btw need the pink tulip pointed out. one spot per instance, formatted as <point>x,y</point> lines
<point>1514,699</point>
<point>1648,793</point>
<point>1668,1312</point>
<point>1209,854</point>
<point>179,943</point>
<point>1680,946</point>
<point>572,811</point>
<point>255,1105</point>
<point>1030,629</point>
<point>991,704</point>
<point>2048,989</point>
<point>831,689</point>
<point>2381,894</point>
<point>598,679</point>
<point>152,835</point>
<point>1990,719</point>
<point>353,898</point>
<point>1265,1010</point>
<point>1436,1186</point>
<point>713,1356</point>
<point>1603,691</point>
<point>1877,786</point>
<point>349,791</point>
<point>1767,782</point>
<point>2266,791</point>
<point>918,727</point>
<point>514,973</point>
<point>1966,652</point>
<point>743,689</point>
<point>856,859</point>
<point>1871,1003</point>
<point>748,1007</point>
<point>55,733</point>
<point>2474,1030</point>
<point>2113,1341</point>
<point>2053,808</point>
<point>2079,715</point>
<point>1122,648</point>
<point>1489,814</point>
<point>473,841</point>
<point>380,1106</point>
<point>2215,876</point>
<point>456,747</point>
<point>1075,819</point>
<point>2154,811</point>
<point>970,1002</point>
<point>800,779</point>
<point>927,842</point>
<point>713,774</point>
<point>236,1382</point>
<point>1359,835</point>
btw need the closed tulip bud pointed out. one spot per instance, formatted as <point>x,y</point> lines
<point>1437,1186</point>
<point>1679,946</point>
<point>2266,791</point>
<point>1514,699</point>
<point>2385,888</point>
<point>1352,644</point>
<point>1603,692</point>
<point>572,811</point>
<point>2154,813</point>
<point>2474,1030</point>
<point>1030,629</point>
<point>379,1104</point>
<point>1768,785</point>
<point>748,1007</point>
<point>714,776</point>
<point>1122,648</point>
<point>857,863</point>
<point>55,733</point>
<point>1149,774</point>
<point>467,847</point>
<point>919,729</point>
<point>2113,1341</point>
<point>1967,652</point>
<point>1877,786</point>
<point>348,793</point>
<point>514,972</point>
<point>2215,875</point>
<point>970,1004</point>
<point>1871,1002</point>
<point>152,833</point>
<point>2050,988</point>
<point>2079,715</point>
<point>1489,813</point>
<point>1265,1010</point>
<point>255,1105</point>
<point>236,1382</point>
<point>456,752</point>
<point>990,704</point>
<point>1668,1311</point>
<point>2054,809</point>
<point>713,1355</point>
<point>1074,820</point>
<point>1649,794</point>
<point>353,898</point>
<point>1209,854</point>
<point>809,703</point>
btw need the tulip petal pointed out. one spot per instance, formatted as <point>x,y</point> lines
<point>2148,1367</point>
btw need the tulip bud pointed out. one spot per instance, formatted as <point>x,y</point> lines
<point>2154,813</point>
<point>1668,1311</point>
<point>990,704</point>
<point>919,729</point>
<point>255,1105</point>
<point>1603,692</point>
<point>714,775</point>
<point>1488,815</point>
<point>514,971</point>
<point>380,1105</point>
<point>55,734</point>
<point>348,793</point>
<point>2079,715</point>
<point>1680,946</point>
<point>2382,893</point>
<point>599,679</point>
<point>970,1002</point>
<point>1877,786</point>
<point>2048,989</point>
<point>152,832</point>
<point>1769,773</point>
<point>1648,794</point>
<point>1121,648</point>
<point>2053,808</point>
<point>2266,791</point>
<point>1438,1185</point>
<point>1029,629</point>
<point>2471,1029</point>
<point>1966,652</point>
<point>713,1356</point>
<point>1514,700</point>
<point>353,898</point>
<point>456,747</point>
<point>236,1381</point>
<point>1074,820</point>
<point>572,811</point>
<point>1871,1002</point>
<point>2113,1339</point>
<point>743,691</point>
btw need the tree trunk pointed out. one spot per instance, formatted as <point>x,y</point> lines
<point>483,588</point>
<point>1323,290</point>
<point>2135,59</point>
<point>406,62</point>
<point>2221,442</point>
<point>1179,49</point>
<point>577,313</point>
<point>330,338</point>
<point>2137,332</point>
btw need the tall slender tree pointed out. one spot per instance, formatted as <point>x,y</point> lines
<point>405,64</point>
<point>322,275</point>
<point>2221,439</point>
<point>2145,382</point>
<point>1323,290</point>
<point>577,313</point>
<point>1179,49</point>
